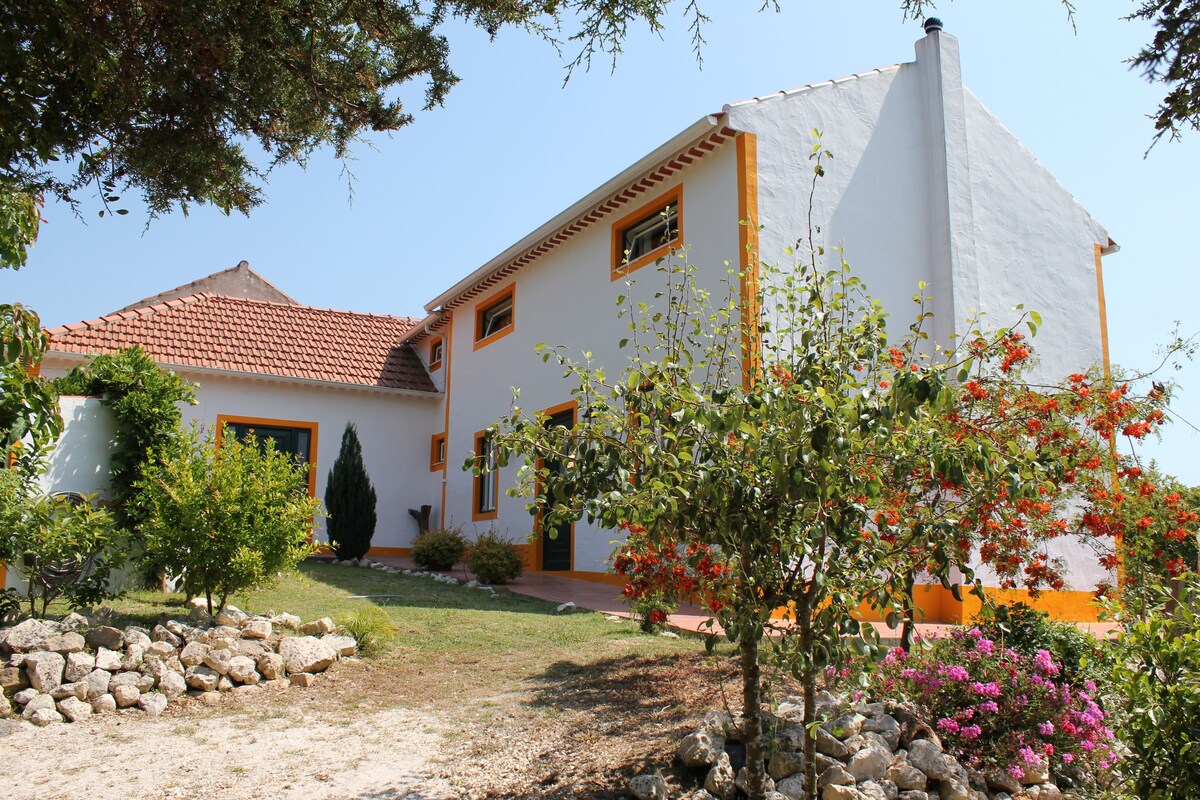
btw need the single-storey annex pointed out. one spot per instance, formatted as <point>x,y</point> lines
<point>927,185</point>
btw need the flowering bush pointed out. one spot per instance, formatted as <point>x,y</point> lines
<point>996,708</point>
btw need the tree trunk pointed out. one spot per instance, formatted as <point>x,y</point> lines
<point>808,682</point>
<point>208,599</point>
<point>756,775</point>
<point>908,630</point>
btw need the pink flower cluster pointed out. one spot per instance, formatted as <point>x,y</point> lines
<point>996,708</point>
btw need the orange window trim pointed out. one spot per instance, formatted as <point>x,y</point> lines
<point>437,455</point>
<point>619,268</point>
<point>224,419</point>
<point>481,308</point>
<point>477,482</point>
<point>435,365</point>
<point>573,407</point>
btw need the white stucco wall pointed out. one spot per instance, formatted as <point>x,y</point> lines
<point>567,298</point>
<point>79,461</point>
<point>394,430</point>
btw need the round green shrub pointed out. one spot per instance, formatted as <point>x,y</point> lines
<point>495,560</point>
<point>439,550</point>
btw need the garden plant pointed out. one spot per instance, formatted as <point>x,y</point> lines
<point>350,500</point>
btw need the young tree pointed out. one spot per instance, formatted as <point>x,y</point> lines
<point>225,518</point>
<point>350,500</point>
<point>28,406</point>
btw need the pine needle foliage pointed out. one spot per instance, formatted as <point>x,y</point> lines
<point>350,500</point>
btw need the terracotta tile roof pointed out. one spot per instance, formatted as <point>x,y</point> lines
<point>213,331</point>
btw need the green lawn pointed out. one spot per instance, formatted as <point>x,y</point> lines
<point>445,635</point>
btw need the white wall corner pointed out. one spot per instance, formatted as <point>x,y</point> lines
<point>956,287</point>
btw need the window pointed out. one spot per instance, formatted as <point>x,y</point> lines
<point>435,354</point>
<point>494,317</point>
<point>297,439</point>
<point>648,233</point>
<point>487,482</point>
<point>437,452</point>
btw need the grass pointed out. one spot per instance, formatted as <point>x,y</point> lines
<point>445,641</point>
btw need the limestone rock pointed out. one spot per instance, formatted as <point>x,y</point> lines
<point>202,678</point>
<point>302,679</point>
<point>32,634</point>
<point>63,643</point>
<point>182,631</point>
<point>1000,779</point>
<point>243,670</point>
<point>837,775</point>
<point>129,678</point>
<point>784,764</point>
<point>246,690</point>
<point>153,703</point>
<point>840,793</point>
<point>929,758</point>
<point>906,776</point>
<point>134,654</point>
<point>792,787</point>
<point>844,726</point>
<point>126,695</point>
<point>164,635</point>
<point>5,706</point>
<point>97,682</point>
<point>256,629</point>
<point>1034,773</point>
<point>318,627</point>
<point>830,745</point>
<point>648,787</point>
<point>870,790</point>
<point>869,763</point>
<point>74,709</point>
<point>218,660</point>
<point>211,698</point>
<point>139,637</point>
<point>271,665</point>
<point>44,670</point>
<point>287,621</point>
<point>172,684</point>
<point>890,790</point>
<point>252,648</point>
<point>953,790</point>
<point>913,794</point>
<point>78,666</point>
<point>77,690</point>
<point>342,645</point>
<point>45,716</point>
<point>886,726</point>
<point>224,684</point>
<point>720,779</point>
<point>699,749</point>
<point>37,703</point>
<point>74,622</point>
<point>109,660</point>
<point>104,704</point>
<point>23,697</point>
<point>156,668</point>
<point>12,679</point>
<point>231,616</point>
<point>305,654</point>
<point>199,616</point>
<point>105,637</point>
<point>193,654</point>
<point>742,781</point>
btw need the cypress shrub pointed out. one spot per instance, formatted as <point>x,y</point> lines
<point>350,500</point>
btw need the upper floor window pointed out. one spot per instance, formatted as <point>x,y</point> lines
<point>648,233</point>
<point>494,317</point>
<point>435,353</point>
<point>437,451</point>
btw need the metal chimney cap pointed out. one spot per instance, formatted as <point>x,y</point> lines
<point>933,24</point>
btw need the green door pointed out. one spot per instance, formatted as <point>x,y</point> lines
<point>556,542</point>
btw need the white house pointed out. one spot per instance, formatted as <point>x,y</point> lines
<point>927,185</point>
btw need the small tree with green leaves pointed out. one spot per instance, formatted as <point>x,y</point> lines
<point>350,500</point>
<point>29,418</point>
<point>225,518</point>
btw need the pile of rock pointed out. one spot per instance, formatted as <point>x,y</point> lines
<point>872,751</point>
<point>54,671</point>
<point>449,580</point>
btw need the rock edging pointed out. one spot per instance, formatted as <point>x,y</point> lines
<point>68,670</point>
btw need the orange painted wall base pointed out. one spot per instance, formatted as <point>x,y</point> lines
<point>396,552</point>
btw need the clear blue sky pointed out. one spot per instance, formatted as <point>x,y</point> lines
<point>513,146</point>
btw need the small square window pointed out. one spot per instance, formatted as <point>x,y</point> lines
<point>435,353</point>
<point>648,233</point>
<point>437,452</point>
<point>494,317</point>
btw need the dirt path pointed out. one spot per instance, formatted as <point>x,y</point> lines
<point>262,749</point>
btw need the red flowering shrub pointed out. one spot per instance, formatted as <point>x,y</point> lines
<point>998,709</point>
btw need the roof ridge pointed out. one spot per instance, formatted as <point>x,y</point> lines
<point>810,86</point>
<point>252,301</point>
<point>121,316</point>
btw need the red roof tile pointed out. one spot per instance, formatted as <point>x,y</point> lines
<point>261,338</point>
